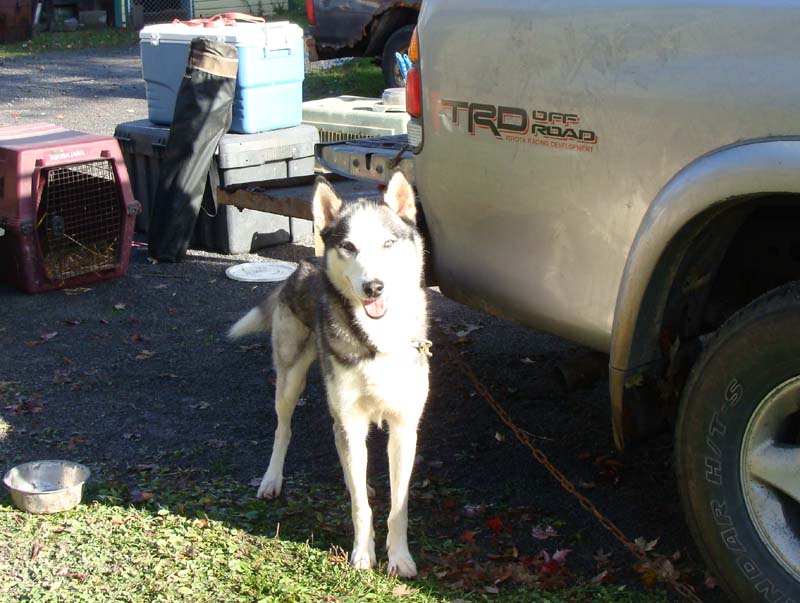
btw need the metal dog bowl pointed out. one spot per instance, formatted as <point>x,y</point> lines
<point>46,486</point>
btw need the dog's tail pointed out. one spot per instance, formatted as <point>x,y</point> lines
<point>256,320</point>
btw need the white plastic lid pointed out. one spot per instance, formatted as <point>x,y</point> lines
<point>261,272</point>
<point>279,34</point>
<point>392,99</point>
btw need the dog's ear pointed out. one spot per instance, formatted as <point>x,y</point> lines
<point>400,197</point>
<point>325,205</point>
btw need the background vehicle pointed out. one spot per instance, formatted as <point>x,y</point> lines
<point>368,28</point>
<point>627,175</point>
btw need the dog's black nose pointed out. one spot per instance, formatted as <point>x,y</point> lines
<point>373,288</point>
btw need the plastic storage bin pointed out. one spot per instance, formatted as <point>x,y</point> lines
<point>348,117</point>
<point>240,158</point>
<point>269,84</point>
<point>66,206</point>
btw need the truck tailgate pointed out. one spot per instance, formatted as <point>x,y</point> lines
<point>369,159</point>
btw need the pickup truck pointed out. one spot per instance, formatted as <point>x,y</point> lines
<point>626,174</point>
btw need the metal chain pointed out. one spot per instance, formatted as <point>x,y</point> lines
<point>681,588</point>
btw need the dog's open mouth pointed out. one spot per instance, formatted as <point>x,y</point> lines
<point>375,308</point>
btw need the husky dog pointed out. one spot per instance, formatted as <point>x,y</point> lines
<point>363,313</point>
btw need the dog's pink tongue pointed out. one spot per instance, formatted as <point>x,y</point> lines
<point>375,308</point>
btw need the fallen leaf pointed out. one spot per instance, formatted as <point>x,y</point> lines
<point>499,436</point>
<point>491,590</point>
<point>467,537</point>
<point>36,549</point>
<point>139,496</point>
<point>48,336</point>
<point>560,556</point>
<point>495,524</point>
<point>402,590</point>
<point>72,322</point>
<point>76,290</point>
<point>136,338</point>
<point>540,532</point>
<point>645,545</point>
<point>468,328</point>
<point>120,306</point>
<point>144,355</point>
<point>600,578</point>
<point>527,360</point>
<point>473,510</point>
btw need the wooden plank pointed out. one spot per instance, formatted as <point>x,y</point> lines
<point>283,204</point>
<point>293,201</point>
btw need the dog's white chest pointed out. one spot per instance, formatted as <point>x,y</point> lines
<point>389,385</point>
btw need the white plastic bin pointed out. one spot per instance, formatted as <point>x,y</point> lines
<point>269,85</point>
<point>348,117</point>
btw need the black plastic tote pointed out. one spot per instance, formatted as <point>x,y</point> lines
<point>202,116</point>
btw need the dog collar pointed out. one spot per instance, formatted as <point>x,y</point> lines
<point>423,346</point>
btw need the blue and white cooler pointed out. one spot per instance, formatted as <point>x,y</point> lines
<point>269,84</point>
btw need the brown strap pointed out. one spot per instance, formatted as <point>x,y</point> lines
<point>221,20</point>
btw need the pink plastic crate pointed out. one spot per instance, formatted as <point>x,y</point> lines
<point>66,206</point>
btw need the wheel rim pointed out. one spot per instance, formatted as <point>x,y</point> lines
<point>770,472</point>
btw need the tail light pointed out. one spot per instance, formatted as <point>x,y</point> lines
<point>413,88</point>
<point>312,20</point>
<point>413,92</point>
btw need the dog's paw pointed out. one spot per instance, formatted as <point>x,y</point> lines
<point>270,488</point>
<point>362,559</point>
<point>401,565</point>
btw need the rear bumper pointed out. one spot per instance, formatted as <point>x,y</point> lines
<point>369,159</point>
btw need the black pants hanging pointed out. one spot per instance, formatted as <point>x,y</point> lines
<point>202,117</point>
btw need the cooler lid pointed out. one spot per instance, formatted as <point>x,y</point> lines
<point>280,34</point>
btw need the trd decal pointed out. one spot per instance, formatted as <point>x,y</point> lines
<point>513,124</point>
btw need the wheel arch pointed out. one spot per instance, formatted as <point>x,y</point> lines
<point>691,223</point>
<point>389,21</point>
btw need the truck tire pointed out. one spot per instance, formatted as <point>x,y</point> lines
<point>397,42</point>
<point>738,450</point>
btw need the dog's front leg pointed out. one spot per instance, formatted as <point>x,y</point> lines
<point>402,449</point>
<point>352,447</point>
<point>291,380</point>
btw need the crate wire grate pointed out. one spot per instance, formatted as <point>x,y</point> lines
<point>79,220</point>
<point>331,136</point>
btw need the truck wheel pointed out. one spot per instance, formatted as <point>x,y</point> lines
<point>397,42</point>
<point>738,450</point>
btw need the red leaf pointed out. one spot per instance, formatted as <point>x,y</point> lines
<point>495,524</point>
<point>467,537</point>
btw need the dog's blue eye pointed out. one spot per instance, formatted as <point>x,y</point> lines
<point>349,247</point>
<point>389,243</point>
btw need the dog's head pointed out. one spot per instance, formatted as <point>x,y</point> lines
<point>373,252</point>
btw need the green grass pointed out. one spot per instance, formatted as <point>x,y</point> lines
<point>152,534</point>
<point>74,40</point>
<point>359,77</point>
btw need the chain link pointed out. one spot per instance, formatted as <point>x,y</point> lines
<point>680,587</point>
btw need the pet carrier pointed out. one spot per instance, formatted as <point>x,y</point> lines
<point>66,206</point>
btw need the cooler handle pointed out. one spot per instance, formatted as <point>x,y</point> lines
<point>282,48</point>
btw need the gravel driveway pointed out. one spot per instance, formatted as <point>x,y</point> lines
<point>140,364</point>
